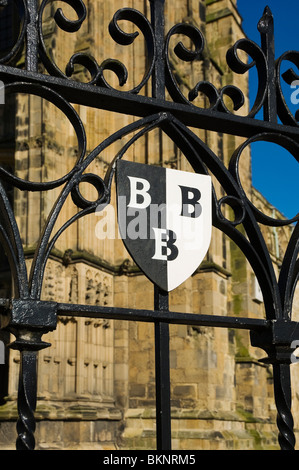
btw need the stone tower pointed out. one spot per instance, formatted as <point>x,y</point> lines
<point>96,382</point>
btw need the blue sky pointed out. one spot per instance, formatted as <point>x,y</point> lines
<point>275,171</point>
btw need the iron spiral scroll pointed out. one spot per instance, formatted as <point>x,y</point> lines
<point>26,316</point>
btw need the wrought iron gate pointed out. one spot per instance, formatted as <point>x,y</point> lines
<point>26,315</point>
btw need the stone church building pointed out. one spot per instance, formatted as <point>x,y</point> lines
<point>96,383</point>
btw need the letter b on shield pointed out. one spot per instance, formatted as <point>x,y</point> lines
<point>165,220</point>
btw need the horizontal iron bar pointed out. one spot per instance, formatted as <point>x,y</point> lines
<point>142,106</point>
<point>115,313</point>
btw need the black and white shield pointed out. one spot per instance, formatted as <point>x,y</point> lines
<point>165,220</point>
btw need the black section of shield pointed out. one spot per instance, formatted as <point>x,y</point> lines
<point>136,224</point>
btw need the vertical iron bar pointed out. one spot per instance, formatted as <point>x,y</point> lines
<point>32,37</point>
<point>283,400</point>
<point>163,412</point>
<point>158,25</point>
<point>27,400</point>
<point>163,409</point>
<point>266,28</point>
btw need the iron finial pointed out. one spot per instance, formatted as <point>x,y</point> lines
<point>266,20</point>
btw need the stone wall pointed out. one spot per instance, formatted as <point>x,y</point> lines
<point>97,381</point>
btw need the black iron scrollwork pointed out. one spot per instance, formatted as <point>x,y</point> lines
<point>75,121</point>
<point>23,17</point>
<point>97,72</point>
<point>65,24</point>
<point>215,97</point>
<point>182,53</point>
<point>258,60</point>
<point>172,118</point>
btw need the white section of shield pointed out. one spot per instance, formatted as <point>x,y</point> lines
<point>193,234</point>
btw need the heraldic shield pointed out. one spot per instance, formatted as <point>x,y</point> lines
<point>165,220</point>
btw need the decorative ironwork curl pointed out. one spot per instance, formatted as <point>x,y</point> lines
<point>22,8</point>
<point>12,244</point>
<point>103,187</point>
<point>97,183</point>
<point>253,244</point>
<point>289,273</point>
<point>119,36</point>
<point>89,62</point>
<point>285,142</point>
<point>70,26</point>
<point>237,205</point>
<point>73,117</point>
<point>258,60</point>
<point>182,53</point>
<point>215,97</point>
<point>65,24</point>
